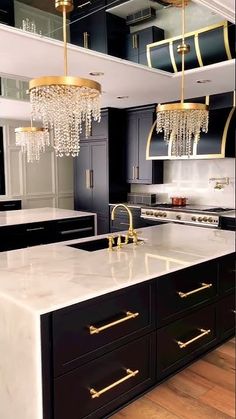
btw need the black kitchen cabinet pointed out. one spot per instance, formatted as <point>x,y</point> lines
<point>33,234</point>
<point>100,354</point>
<point>100,168</point>
<point>136,43</point>
<point>140,170</point>
<point>100,31</point>
<point>10,205</point>
<point>7,12</point>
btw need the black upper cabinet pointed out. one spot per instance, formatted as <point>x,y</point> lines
<point>140,170</point>
<point>136,43</point>
<point>7,12</point>
<point>100,31</point>
<point>100,175</point>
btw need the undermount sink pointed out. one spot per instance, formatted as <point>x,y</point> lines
<point>97,244</point>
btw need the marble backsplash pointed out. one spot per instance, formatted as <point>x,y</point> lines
<point>191,179</point>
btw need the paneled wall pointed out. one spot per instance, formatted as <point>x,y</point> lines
<point>191,179</point>
<point>47,183</point>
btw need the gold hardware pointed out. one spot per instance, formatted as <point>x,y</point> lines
<point>60,5</point>
<point>91,179</point>
<point>85,35</point>
<point>135,41</point>
<point>186,294</point>
<point>234,311</point>
<point>226,41</point>
<point>184,344</point>
<point>198,52</point>
<point>110,242</point>
<point>220,182</point>
<point>172,57</point>
<point>137,172</point>
<point>131,232</point>
<point>133,172</point>
<point>128,316</point>
<point>119,242</point>
<point>183,48</point>
<point>129,375</point>
<point>87,179</point>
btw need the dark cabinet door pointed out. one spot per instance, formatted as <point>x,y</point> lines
<point>83,190</point>
<point>85,32</point>
<point>99,166</point>
<point>132,147</point>
<point>7,12</point>
<point>140,170</point>
<point>136,43</point>
<point>144,171</point>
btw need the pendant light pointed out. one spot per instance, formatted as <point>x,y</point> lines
<point>182,122</point>
<point>65,103</point>
<point>33,141</point>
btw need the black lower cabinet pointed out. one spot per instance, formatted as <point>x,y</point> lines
<point>101,354</point>
<point>101,386</point>
<point>34,234</point>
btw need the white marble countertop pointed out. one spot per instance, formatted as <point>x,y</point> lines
<point>228,214</point>
<point>8,198</point>
<point>50,277</point>
<point>35,215</point>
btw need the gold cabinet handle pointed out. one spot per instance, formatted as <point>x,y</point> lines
<point>187,294</point>
<point>85,35</point>
<point>128,316</point>
<point>91,179</point>
<point>94,393</point>
<point>87,179</point>
<point>203,333</point>
<point>133,172</point>
<point>135,41</point>
<point>137,172</point>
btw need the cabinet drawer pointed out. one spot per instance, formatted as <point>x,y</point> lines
<point>227,273</point>
<point>100,386</point>
<point>227,315</point>
<point>100,325</point>
<point>181,340</point>
<point>186,289</point>
<point>73,228</point>
<point>10,205</point>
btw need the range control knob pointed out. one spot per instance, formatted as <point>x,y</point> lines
<point>164,214</point>
<point>156,214</point>
<point>205,219</point>
<point>194,218</point>
<point>151,212</point>
<point>210,219</point>
<point>178,217</point>
<point>161,214</point>
<point>200,219</point>
<point>147,212</point>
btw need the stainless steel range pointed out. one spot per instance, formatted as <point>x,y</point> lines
<point>200,215</point>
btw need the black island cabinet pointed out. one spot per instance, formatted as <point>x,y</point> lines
<point>101,354</point>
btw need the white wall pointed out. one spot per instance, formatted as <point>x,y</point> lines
<point>191,179</point>
<point>47,183</point>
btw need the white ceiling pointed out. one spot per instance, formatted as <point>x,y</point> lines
<point>225,8</point>
<point>27,55</point>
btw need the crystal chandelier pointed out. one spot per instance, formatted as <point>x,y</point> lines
<point>65,103</point>
<point>33,141</point>
<point>182,122</point>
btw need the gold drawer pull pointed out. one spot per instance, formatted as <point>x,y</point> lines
<point>94,393</point>
<point>93,330</point>
<point>184,344</point>
<point>234,311</point>
<point>186,294</point>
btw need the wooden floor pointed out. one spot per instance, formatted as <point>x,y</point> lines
<point>205,390</point>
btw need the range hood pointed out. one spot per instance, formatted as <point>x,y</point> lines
<point>218,143</point>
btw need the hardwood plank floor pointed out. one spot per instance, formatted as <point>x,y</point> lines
<point>204,390</point>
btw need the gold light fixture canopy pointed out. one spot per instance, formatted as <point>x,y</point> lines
<point>33,141</point>
<point>65,103</point>
<point>182,122</point>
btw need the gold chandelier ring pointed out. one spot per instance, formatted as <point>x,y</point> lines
<point>182,107</point>
<point>64,81</point>
<point>29,129</point>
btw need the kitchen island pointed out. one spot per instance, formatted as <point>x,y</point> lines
<point>29,227</point>
<point>74,322</point>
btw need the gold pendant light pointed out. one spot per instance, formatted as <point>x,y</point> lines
<point>182,122</point>
<point>65,103</point>
<point>33,141</point>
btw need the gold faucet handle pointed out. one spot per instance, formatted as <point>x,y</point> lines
<point>110,242</point>
<point>119,242</point>
<point>135,237</point>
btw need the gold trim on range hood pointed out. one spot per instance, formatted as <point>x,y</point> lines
<point>194,156</point>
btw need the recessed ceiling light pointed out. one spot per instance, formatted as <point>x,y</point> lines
<point>203,81</point>
<point>96,73</point>
<point>122,97</point>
